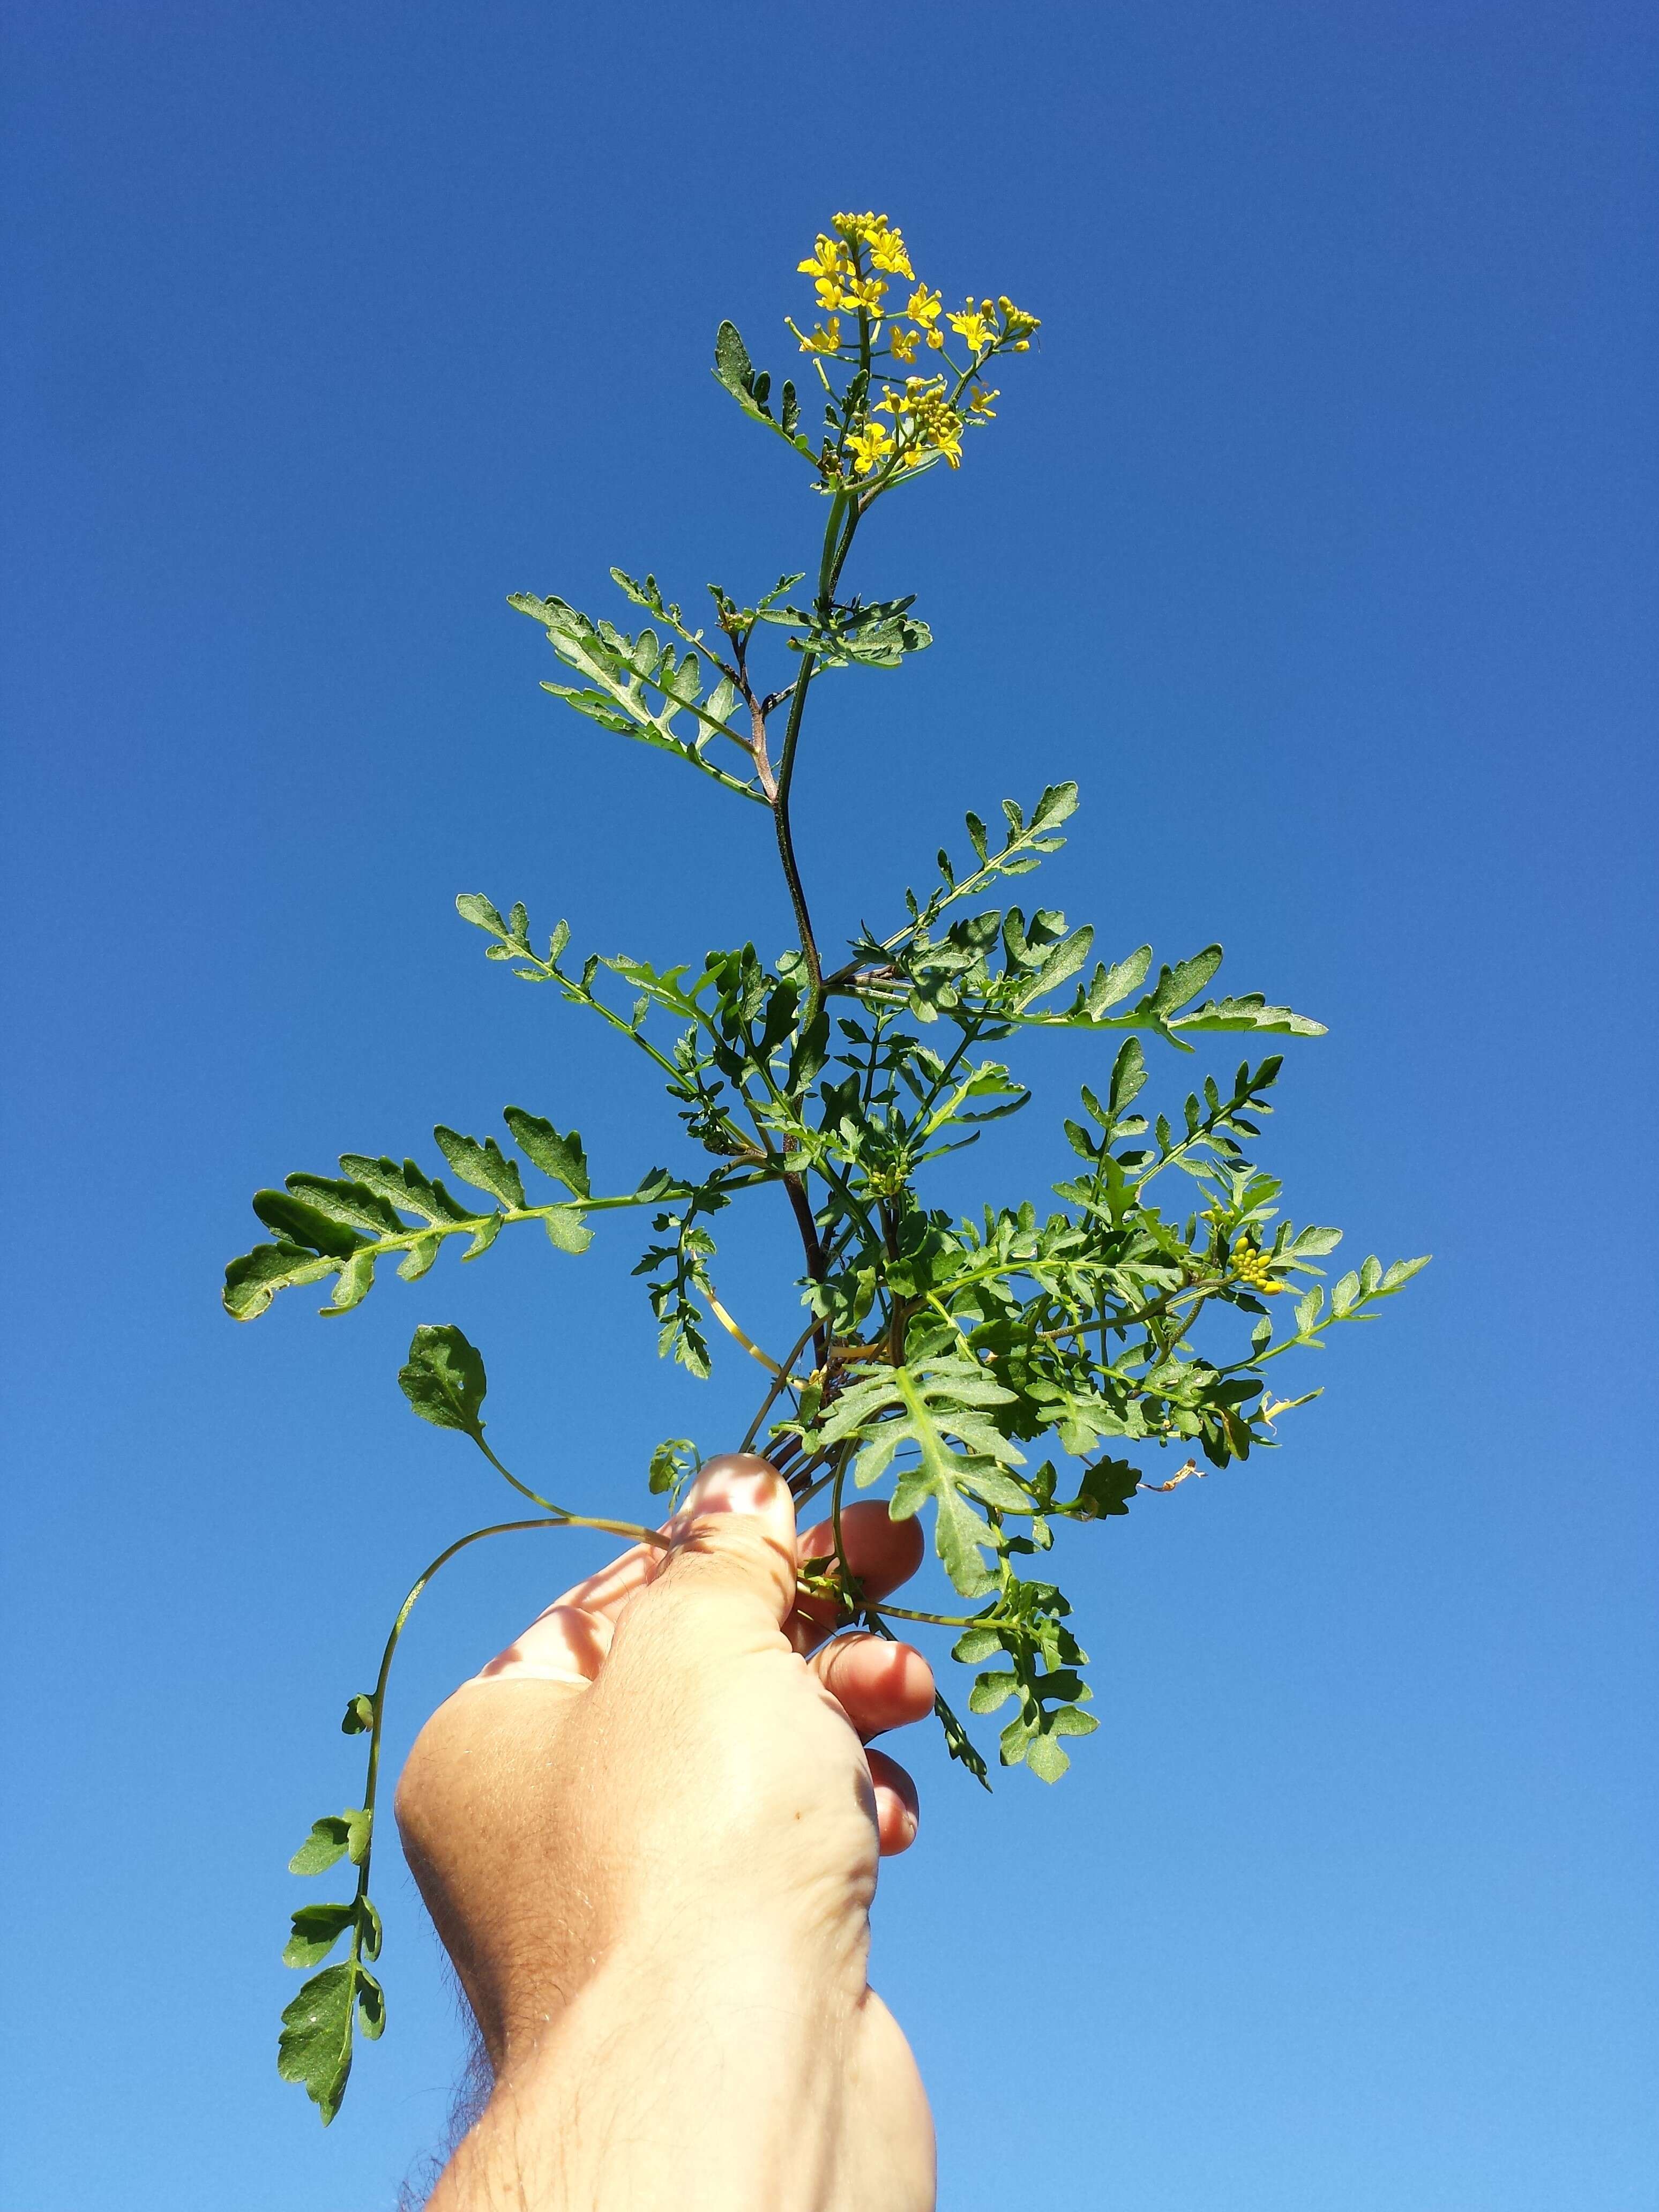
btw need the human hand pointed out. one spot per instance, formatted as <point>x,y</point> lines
<point>647,1833</point>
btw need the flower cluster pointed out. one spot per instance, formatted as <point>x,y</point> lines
<point>925,420</point>
<point>1255,1270</point>
<point>862,332</point>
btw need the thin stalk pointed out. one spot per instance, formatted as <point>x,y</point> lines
<point>377,1701</point>
<point>835,1511</point>
<point>937,1619</point>
<point>748,1343</point>
<point>771,1397</point>
<point>787,842</point>
<point>523,1488</point>
<point>845,513</point>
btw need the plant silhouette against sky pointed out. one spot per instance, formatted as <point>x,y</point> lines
<point>962,1361</point>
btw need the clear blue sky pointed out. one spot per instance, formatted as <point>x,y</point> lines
<point>1316,541</point>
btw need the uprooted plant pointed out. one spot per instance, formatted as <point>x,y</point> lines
<point>943,1353</point>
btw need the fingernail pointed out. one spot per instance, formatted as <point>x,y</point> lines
<point>734,1482</point>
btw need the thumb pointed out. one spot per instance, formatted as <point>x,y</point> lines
<point>733,1536</point>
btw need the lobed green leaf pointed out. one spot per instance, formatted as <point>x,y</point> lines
<point>444,1380</point>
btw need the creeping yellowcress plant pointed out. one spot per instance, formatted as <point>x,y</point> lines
<point>961,1358</point>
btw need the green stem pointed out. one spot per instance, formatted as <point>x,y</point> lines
<point>773,1395</point>
<point>565,1519</point>
<point>845,513</point>
<point>937,1620</point>
<point>523,1488</point>
<point>377,1702</point>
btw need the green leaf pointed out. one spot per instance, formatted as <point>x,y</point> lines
<point>444,1379</point>
<point>876,636</point>
<point>751,389</point>
<point>974,1645</point>
<point>315,2045</point>
<point>996,1488</point>
<point>638,687</point>
<point>353,1204</point>
<point>567,1232</point>
<point>1113,984</point>
<point>253,1281</point>
<point>1106,1489</point>
<point>1250,1011</point>
<point>1313,1243</point>
<point>1058,804</point>
<point>317,1929</point>
<point>485,1166</point>
<point>990,1691</point>
<point>474,907</point>
<point>325,1844</point>
<point>485,1232</point>
<point>560,1158</point>
<point>359,1716</point>
<point>404,1185</point>
<point>1176,984</point>
<point>936,1400</point>
<point>418,1258</point>
<point>356,1281</point>
<point>1403,1270</point>
<point>1129,1077</point>
<point>959,1744</point>
<point>1045,1757</point>
<point>673,1463</point>
<point>1062,962</point>
<point>1066,1720</point>
<point>959,1533</point>
<point>732,366</point>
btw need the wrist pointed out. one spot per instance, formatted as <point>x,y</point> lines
<point>702,2073</point>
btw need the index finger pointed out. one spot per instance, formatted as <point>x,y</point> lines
<point>571,1637</point>
<point>568,1640</point>
<point>880,1552</point>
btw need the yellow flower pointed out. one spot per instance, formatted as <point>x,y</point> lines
<point>887,245</point>
<point>1017,325</point>
<point>870,447</point>
<point>927,418</point>
<point>864,291</point>
<point>980,401</point>
<point>974,324</point>
<point>936,339</point>
<point>922,306</point>
<point>887,252</point>
<point>828,266</point>
<point>826,260</point>
<point>944,436</point>
<point>904,344</point>
<point>824,339</point>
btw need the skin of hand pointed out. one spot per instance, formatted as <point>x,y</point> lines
<point>647,1833</point>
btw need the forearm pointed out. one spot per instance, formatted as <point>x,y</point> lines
<point>681,2082</point>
